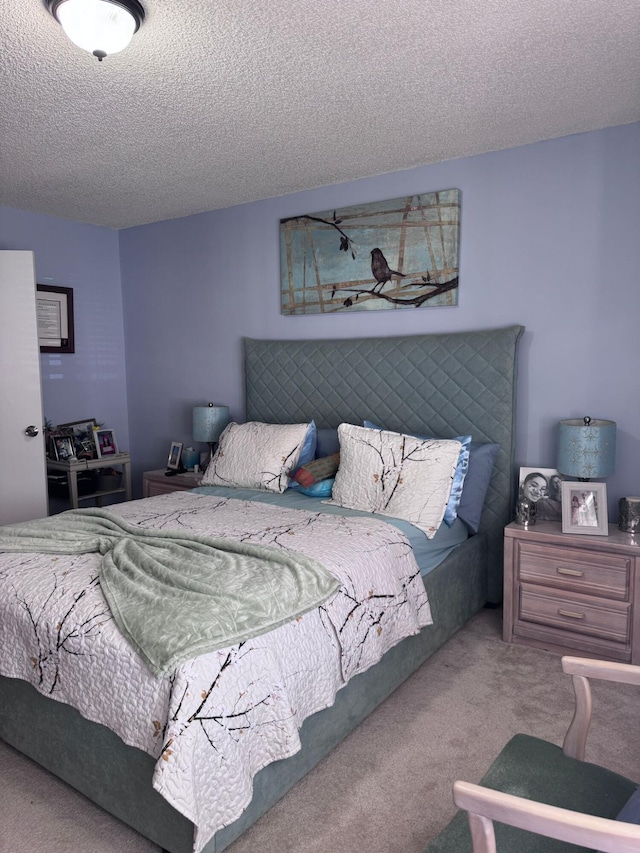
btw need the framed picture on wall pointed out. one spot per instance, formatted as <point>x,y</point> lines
<point>105,440</point>
<point>584,508</point>
<point>54,313</point>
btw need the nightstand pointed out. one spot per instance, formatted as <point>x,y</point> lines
<point>572,594</point>
<point>157,483</point>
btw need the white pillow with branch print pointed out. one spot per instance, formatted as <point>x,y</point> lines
<point>394,474</point>
<point>256,456</point>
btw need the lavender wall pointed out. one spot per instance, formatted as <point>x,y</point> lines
<point>91,383</point>
<point>549,239</point>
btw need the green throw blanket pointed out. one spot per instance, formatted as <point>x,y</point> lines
<point>177,596</point>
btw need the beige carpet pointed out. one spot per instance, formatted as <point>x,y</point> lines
<point>387,787</point>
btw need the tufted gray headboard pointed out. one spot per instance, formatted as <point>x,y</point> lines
<point>444,385</point>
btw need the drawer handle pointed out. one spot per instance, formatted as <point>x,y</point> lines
<point>576,573</point>
<point>570,613</point>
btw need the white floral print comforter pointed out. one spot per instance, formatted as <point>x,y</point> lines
<point>222,716</point>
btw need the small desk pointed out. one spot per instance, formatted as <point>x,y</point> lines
<point>72,467</point>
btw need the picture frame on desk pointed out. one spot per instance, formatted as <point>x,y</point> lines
<point>175,455</point>
<point>584,508</point>
<point>82,434</point>
<point>106,444</point>
<point>63,447</point>
<point>542,486</point>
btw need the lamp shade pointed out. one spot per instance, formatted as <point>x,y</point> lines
<point>209,422</point>
<point>586,448</point>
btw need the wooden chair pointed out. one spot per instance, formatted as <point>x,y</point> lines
<point>550,800</point>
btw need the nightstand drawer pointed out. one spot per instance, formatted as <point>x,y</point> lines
<point>575,569</point>
<point>580,614</point>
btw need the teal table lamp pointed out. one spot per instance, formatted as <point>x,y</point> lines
<point>208,424</point>
<point>586,448</point>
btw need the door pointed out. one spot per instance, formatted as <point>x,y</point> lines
<point>23,475</point>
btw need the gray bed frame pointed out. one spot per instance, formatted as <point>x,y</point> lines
<point>445,385</point>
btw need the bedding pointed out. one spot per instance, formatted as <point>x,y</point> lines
<point>259,455</point>
<point>482,458</point>
<point>428,553</point>
<point>451,512</point>
<point>239,707</point>
<point>321,489</point>
<point>395,475</point>
<point>319,469</point>
<point>176,594</point>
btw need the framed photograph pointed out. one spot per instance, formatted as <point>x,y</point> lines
<point>173,462</point>
<point>63,447</point>
<point>54,312</point>
<point>82,435</point>
<point>105,441</point>
<point>584,508</point>
<point>543,486</point>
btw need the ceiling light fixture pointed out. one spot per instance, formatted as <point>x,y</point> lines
<point>101,27</point>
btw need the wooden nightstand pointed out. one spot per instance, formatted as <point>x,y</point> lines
<point>572,594</point>
<point>156,483</point>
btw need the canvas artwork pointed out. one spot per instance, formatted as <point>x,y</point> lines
<point>393,254</point>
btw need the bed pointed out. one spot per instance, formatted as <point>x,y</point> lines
<point>443,385</point>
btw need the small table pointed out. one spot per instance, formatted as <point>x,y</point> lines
<point>72,467</point>
<point>572,594</point>
<point>157,483</point>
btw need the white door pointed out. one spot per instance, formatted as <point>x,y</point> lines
<point>23,475</point>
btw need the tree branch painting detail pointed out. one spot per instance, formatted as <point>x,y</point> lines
<point>393,254</point>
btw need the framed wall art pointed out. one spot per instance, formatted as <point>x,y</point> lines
<point>54,313</point>
<point>393,254</point>
<point>584,508</point>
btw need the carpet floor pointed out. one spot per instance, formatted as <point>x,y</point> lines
<point>387,787</point>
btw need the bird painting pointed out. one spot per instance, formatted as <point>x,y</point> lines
<point>381,270</point>
<point>328,262</point>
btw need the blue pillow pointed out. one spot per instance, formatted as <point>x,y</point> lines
<point>481,460</point>
<point>328,443</point>
<point>451,512</point>
<point>308,451</point>
<point>321,489</point>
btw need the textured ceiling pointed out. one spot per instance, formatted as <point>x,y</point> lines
<point>219,102</point>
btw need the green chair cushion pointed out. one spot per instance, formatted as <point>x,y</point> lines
<point>532,768</point>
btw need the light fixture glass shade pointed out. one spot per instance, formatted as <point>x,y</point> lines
<point>101,27</point>
<point>586,448</point>
<point>209,422</point>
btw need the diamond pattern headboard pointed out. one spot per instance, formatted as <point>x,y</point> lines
<point>444,385</point>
